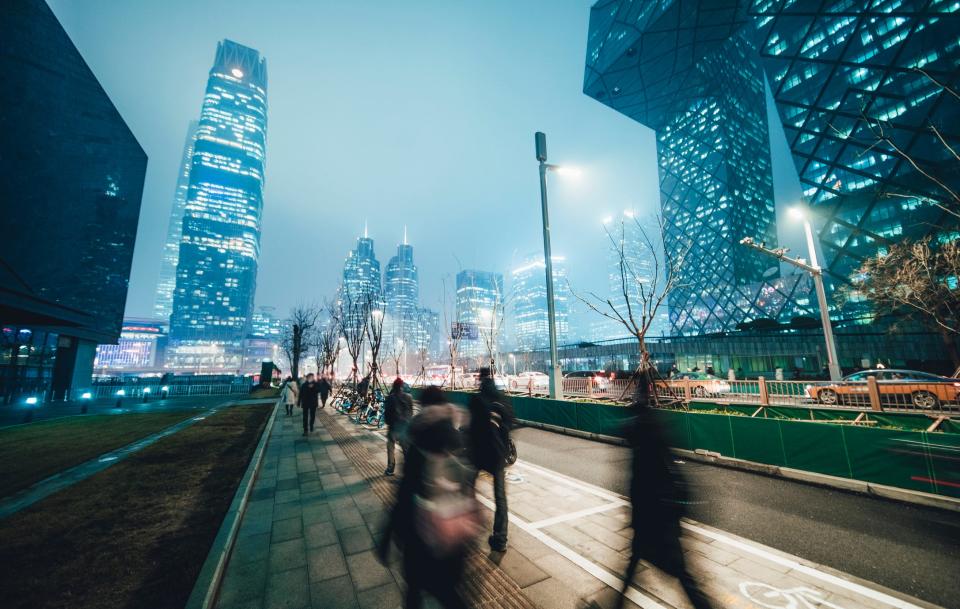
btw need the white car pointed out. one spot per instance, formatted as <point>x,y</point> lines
<point>536,380</point>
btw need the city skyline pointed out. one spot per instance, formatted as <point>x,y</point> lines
<point>617,157</point>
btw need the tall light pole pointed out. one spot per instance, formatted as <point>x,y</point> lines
<point>556,381</point>
<point>817,273</point>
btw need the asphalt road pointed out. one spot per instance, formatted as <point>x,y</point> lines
<point>903,547</point>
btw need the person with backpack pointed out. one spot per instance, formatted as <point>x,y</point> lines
<point>289,394</point>
<point>325,388</point>
<point>397,411</point>
<point>491,419</point>
<point>436,515</point>
<point>309,400</point>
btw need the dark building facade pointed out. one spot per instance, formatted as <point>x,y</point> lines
<point>71,180</point>
<point>859,88</point>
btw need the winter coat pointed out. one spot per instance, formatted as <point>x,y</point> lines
<point>289,393</point>
<point>309,394</point>
<point>489,400</point>
<point>398,408</point>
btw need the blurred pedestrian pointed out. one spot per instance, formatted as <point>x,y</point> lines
<point>491,419</point>
<point>397,412</point>
<point>658,499</point>
<point>325,388</point>
<point>289,394</point>
<point>435,515</point>
<point>309,400</point>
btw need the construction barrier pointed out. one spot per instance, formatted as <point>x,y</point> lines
<point>882,448</point>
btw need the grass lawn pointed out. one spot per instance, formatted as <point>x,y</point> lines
<point>136,534</point>
<point>30,453</point>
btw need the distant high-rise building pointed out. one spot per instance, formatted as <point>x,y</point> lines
<point>409,327</point>
<point>636,276</point>
<point>139,348</point>
<point>361,279</point>
<point>71,181</point>
<point>479,308</point>
<point>265,324</point>
<point>858,89</point>
<point>531,329</point>
<point>220,241</point>
<point>163,303</point>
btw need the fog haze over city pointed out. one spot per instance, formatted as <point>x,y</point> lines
<point>419,116</point>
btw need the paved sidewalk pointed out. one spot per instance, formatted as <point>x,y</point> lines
<point>307,540</point>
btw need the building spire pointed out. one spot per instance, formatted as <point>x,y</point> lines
<point>365,232</point>
<point>405,234</point>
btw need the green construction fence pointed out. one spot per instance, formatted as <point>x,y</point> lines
<point>895,451</point>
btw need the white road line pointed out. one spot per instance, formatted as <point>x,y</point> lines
<point>597,509</point>
<point>635,595</point>
<point>583,486</point>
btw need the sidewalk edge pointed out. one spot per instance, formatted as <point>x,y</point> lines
<point>891,493</point>
<point>211,574</point>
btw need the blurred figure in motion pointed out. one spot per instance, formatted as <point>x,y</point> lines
<point>658,499</point>
<point>309,400</point>
<point>435,516</point>
<point>397,411</point>
<point>289,394</point>
<point>325,388</point>
<point>491,419</point>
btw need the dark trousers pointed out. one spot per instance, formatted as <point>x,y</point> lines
<point>289,408</point>
<point>500,518</point>
<point>425,573</point>
<point>309,416</point>
<point>666,553</point>
<point>323,400</point>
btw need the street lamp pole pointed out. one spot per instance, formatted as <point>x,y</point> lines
<point>817,273</point>
<point>556,381</point>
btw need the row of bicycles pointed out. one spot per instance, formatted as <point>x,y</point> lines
<point>361,408</point>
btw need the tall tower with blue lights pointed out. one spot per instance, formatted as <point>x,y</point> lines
<point>220,240</point>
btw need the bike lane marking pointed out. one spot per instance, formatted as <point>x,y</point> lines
<point>744,546</point>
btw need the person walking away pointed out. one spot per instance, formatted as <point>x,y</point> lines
<point>435,515</point>
<point>325,389</point>
<point>309,395</point>
<point>491,419</point>
<point>397,412</point>
<point>289,394</point>
<point>658,498</point>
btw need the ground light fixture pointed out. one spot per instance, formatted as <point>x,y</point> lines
<point>85,398</point>
<point>146,394</point>
<point>32,401</point>
<point>120,394</point>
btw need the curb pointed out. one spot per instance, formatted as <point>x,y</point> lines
<point>211,574</point>
<point>891,493</point>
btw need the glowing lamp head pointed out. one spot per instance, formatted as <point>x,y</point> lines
<point>86,395</point>
<point>121,392</point>
<point>796,213</point>
<point>31,401</point>
<point>164,388</point>
<point>237,72</point>
<point>146,390</point>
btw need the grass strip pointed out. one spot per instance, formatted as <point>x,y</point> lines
<point>136,534</point>
<point>39,450</point>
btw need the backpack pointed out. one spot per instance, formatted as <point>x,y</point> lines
<point>446,514</point>
<point>498,435</point>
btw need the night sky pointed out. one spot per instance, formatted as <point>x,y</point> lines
<point>416,113</point>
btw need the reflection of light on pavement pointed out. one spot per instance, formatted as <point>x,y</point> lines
<point>105,459</point>
<point>792,598</point>
<point>513,478</point>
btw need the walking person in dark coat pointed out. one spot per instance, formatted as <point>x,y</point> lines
<point>433,558</point>
<point>309,400</point>
<point>397,412</point>
<point>325,389</point>
<point>491,419</point>
<point>658,499</point>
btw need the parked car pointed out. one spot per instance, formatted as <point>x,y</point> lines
<point>537,380</point>
<point>921,389</point>
<point>701,384</point>
<point>601,379</point>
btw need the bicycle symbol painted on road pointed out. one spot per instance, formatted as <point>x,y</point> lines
<point>769,597</point>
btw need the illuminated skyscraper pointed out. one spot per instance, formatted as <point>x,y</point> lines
<point>479,306</point>
<point>163,305</point>
<point>220,241</point>
<point>361,279</point>
<point>531,329</point>
<point>407,326</point>
<point>852,81</point>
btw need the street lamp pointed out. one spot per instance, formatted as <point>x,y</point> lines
<point>513,358</point>
<point>556,382</point>
<point>817,273</point>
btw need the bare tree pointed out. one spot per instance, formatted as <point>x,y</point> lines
<point>643,292</point>
<point>917,281</point>
<point>298,334</point>
<point>374,332</point>
<point>453,331</point>
<point>352,311</point>
<point>327,339</point>
<point>490,328</point>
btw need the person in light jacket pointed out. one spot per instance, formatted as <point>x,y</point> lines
<point>289,394</point>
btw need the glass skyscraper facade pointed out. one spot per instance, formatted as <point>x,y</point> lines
<point>529,303</point>
<point>408,326</point>
<point>852,82</point>
<point>361,280</point>
<point>220,241</point>
<point>479,298</point>
<point>71,181</point>
<point>163,303</point>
